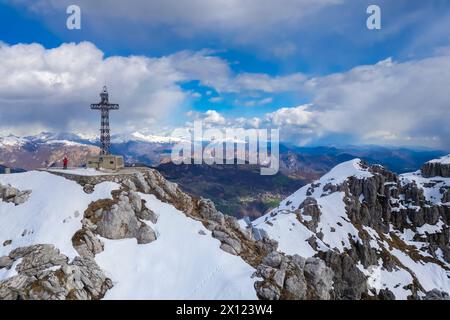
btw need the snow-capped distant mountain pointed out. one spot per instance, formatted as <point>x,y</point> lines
<point>12,141</point>
<point>78,235</point>
<point>442,160</point>
<point>137,136</point>
<point>44,150</point>
<point>48,149</point>
<point>383,235</point>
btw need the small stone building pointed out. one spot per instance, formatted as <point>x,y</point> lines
<point>111,162</point>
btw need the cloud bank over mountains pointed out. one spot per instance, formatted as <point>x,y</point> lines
<point>403,103</point>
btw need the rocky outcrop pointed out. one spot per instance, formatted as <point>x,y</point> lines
<point>349,282</point>
<point>120,218</point>
<point>386,294</point>
<point>13,195</point>
<point>86,243</point>
<point>385,215</point>
<point>436,295</point>
<point>446,195</point>
<point>207,211</point>
<point>435,169</point>
<point>43,273</point>
<point>293,278</point>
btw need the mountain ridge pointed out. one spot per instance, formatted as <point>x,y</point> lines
<point>369,223</point>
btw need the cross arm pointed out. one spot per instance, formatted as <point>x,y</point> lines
<point>99,106</point>
<point>113,106</point>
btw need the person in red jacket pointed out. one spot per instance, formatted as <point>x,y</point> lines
<point>65,162</point>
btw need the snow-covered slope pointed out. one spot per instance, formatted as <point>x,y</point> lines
<point>293,234</point>
<point>184,262</point>
<point>181,264</point>
<point>392,232</point>
<point>434,189</point>
<point>442,160</point>
<point>52,214</point>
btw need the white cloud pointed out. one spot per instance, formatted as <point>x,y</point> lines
<point>214,117</point>
<point>297,116</point>
<point>215,99</point>
<point>260,102</point>
<point>216,73</point>
<point>266,83</point>
<point>210,117</point>
<point>390,102</point>
<point>397,103</point>
<point>51,89</point>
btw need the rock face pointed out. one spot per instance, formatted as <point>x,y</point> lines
<point>86,243</point>
<point>436,169</point>
<point>436,295</point>
<point>13,195</point>
<point>349,282</point>
<point>45,274</point>
<point>293,278</point>
<point>120,219</point>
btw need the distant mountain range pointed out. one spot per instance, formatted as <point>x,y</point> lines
<point>237,190</point>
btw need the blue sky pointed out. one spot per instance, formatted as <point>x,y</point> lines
<point>307,67</point>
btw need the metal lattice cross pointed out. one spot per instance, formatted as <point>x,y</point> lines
<point>104,106</point>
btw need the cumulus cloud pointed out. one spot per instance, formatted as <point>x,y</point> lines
<point>266,83</point>
<point>397,103</point>
<point>51,89</point>
<point>213,117</point>
<point>297,116</point>
<point>210,117</point>
<point>391,102</point>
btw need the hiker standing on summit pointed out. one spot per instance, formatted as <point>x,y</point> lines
<point>65,162</point>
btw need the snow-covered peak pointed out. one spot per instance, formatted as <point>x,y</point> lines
<point>149,138</point>
<point>12,141</point>
<point>442,160</point>
<point>352,168</point>
<point>154,138</point>
<point>64,142</point>
<point>337,175</point>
